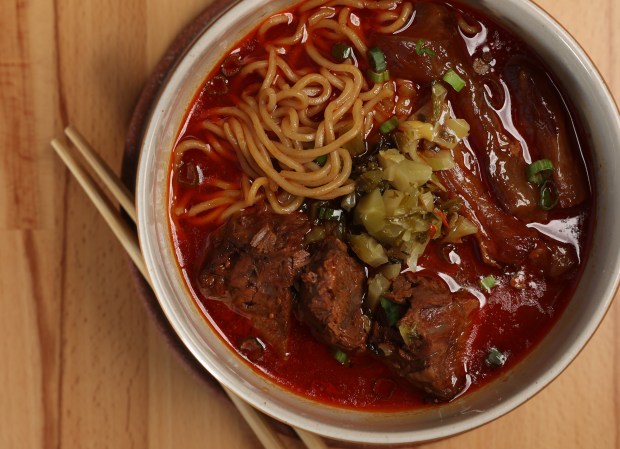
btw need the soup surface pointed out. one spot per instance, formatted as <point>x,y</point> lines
<point>380,204</point>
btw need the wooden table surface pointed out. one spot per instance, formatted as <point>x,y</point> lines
<point>81,363</point>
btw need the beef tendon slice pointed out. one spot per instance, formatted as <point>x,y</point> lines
<point>541,118</point>
<point>500,153</point>
<point>428,344</point>
<point>503,239</point>
<point>251,264</point>
<point>330,296</point>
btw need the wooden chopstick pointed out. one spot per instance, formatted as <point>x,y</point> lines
<point>111,216</point>
<point>255,419</point>
<point>125,235</point>
<point>311,440</point>
<point>108,178</point>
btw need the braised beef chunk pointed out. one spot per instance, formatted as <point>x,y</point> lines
<point>330,296</point>
<point>427,345</point>
<point>252,262</point>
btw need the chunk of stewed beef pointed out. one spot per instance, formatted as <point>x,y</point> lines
<point>330,296</point>
<point>252,262</point>
<point>427,344</point>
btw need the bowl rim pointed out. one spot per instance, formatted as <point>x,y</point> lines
<point>246,391</point>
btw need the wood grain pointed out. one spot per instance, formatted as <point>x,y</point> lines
<point>82,364</point>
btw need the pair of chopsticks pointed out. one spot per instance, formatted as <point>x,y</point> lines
<point>128,239</point>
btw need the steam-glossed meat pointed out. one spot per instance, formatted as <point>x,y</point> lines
<point>540,115</point>
<point>500,214</point>
<point>500,153</point>
<point>252,262</point>
<point>428,345</point>
<point>503,239</point>
<point>330,296</point>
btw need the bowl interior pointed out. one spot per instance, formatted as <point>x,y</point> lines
<point>584,313</point>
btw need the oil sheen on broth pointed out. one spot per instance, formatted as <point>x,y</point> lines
<point>381,205</point>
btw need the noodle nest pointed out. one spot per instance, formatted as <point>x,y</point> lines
<point>289,132</point>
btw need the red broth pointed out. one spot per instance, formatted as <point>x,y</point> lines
<point>512,319</point>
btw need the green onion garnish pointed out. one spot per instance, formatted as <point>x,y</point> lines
<point>454,80</point>
<point>341,52</point>
<point>488,283</point>
<point>549,196</point>
<point>321,160</point>
<point>376,58</point>
<point>389,126</point>
<point>539,171</point>
<point>326,213</point>
<point>392,310</point>
<point>496,358</point>
<point>421,50</point>
<point>379,77</point>
<point>342,357</point>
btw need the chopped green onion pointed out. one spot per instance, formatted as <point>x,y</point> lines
<point>496,358</point>
<point>488,283</point>
<point>392,310</point>
<point>341,356</point>
<point>321,160</point>
<point>454,80</point>
<point>549,196</point>
<point>315,209</point>
<point>421,50</point>
<point>539,171</point>
<point>376,58</point>
<point>381,77</point>
<point>342,52</point>
<point>389,126</point>
<point>326,213</point>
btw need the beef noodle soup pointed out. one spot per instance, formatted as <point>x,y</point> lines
<point>380,204</point>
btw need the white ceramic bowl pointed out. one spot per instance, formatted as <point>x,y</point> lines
<point>600,117</point>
